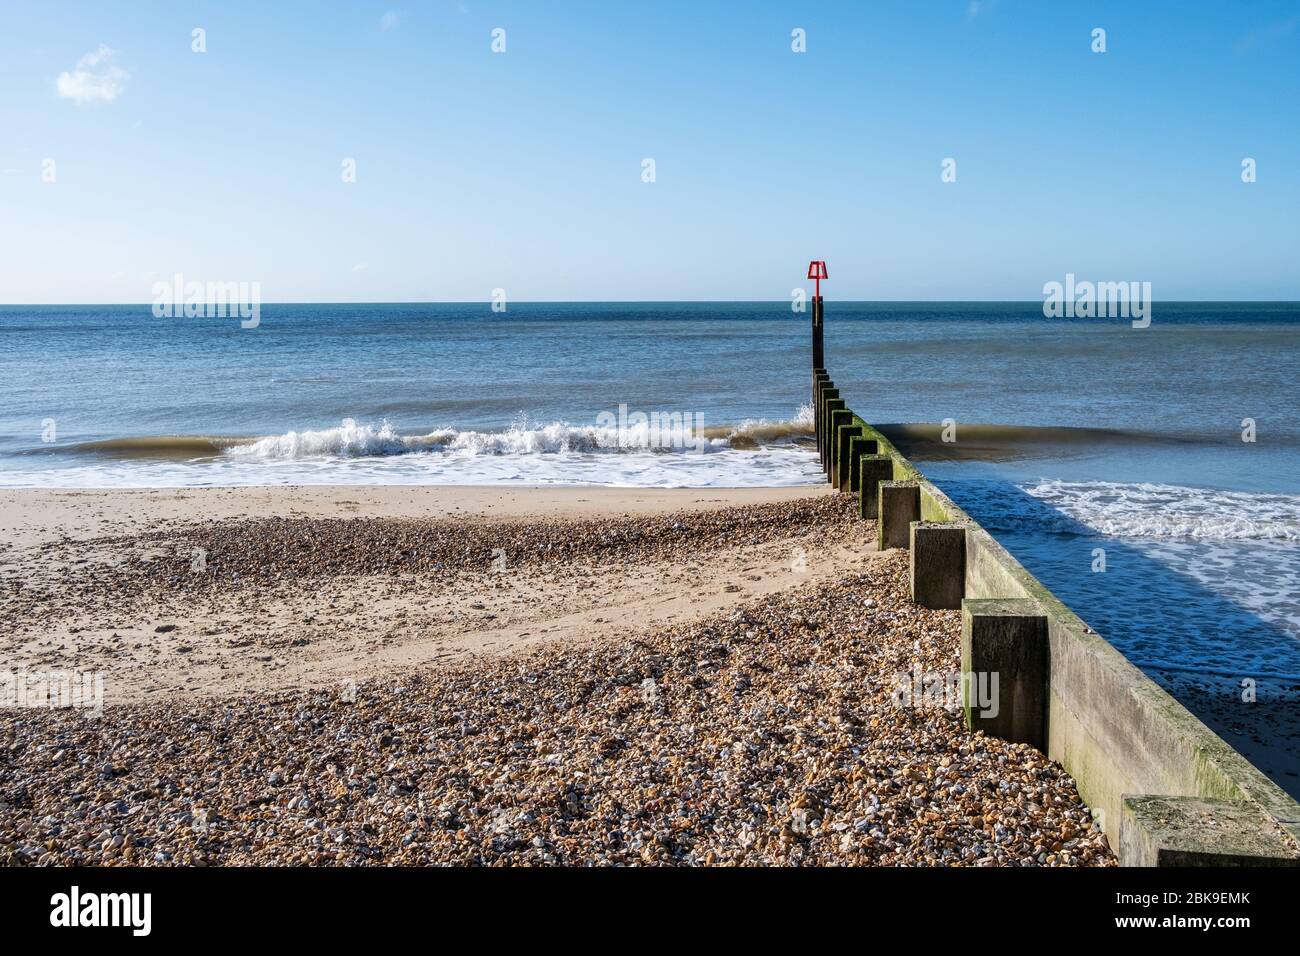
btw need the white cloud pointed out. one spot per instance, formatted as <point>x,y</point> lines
<point>389,20</point>
<point>361,267</point>
<point>96,78</point>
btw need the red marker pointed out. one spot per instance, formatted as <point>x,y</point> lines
<point>817,270</point>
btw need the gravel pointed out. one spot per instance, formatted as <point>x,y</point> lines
<point>768,735</point>
<point>199,559</point>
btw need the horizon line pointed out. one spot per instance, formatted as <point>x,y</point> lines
<point>488,302</point>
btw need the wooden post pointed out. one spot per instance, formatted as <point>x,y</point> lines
<point>873,470</point>
<point>839,416</point>
<point>843,455</point>
<point>938,568</point>
<point>898,507</point>
<point>1004,663</point>
<point>818,345</point>
<point>831,402</point>
<point>820,380</point>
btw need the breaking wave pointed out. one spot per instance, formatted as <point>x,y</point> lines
<point>352,439</point>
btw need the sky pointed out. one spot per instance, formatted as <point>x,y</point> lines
<point>525,170</point>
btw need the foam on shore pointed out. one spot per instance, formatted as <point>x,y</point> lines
<point>1133,510</point>
<point>668,452</point>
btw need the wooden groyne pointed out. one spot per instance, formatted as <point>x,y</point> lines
<point>1166,789</point>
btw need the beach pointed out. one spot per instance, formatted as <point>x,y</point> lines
<point>219,591</point>
<point>393,675</point>
<point>373,539</point>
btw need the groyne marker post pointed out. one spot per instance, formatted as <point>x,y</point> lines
<point>817,272</point>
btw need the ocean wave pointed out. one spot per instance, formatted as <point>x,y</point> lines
<point>1144,510</point>
<point>675,433</point>
<point>157,446</point>
<point>349,440</point>
<point>753,432</point>
<point>980,442</point>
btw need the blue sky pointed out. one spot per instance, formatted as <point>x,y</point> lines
<point>523,170</point>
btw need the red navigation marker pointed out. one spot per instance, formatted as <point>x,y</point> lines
<point>817,270</point>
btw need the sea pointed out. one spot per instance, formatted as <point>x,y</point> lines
<point>1149,476</point>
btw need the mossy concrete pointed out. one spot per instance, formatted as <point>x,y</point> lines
<point>1194,831</point>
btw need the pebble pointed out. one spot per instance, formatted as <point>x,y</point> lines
<point>765,735</point>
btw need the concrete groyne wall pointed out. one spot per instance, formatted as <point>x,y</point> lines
<point>1166,789</point>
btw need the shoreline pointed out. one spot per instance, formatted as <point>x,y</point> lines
<point>31,516</point>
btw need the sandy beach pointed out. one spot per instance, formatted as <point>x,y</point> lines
<point>486,675</point>
<point>198,591</point>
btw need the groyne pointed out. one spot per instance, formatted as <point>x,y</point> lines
<point>1166,789</point>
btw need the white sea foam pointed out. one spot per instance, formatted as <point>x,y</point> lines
<point>353,440</point>
<point>756,453</point>
<point>1144,510</point>
<point>349,440</point>
<point>727,468</point>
